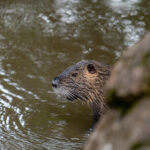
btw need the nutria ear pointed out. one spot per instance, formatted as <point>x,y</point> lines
<point>91,69</point>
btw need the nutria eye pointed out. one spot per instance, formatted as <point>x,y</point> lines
<point>91,68</point>
<point>74,74</point>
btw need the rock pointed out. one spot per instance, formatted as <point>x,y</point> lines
<point>131,132</point>
<point>128,88</point>
<point>131,75</point>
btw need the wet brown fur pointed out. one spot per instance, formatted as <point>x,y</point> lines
<point>78,82</point>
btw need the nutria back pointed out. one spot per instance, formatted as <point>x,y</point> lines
<point>85,81</point>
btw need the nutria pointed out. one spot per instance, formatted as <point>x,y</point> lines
<point>85,80</point>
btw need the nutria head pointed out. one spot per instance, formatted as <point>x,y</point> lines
<point>85,81</point>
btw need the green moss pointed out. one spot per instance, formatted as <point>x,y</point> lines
<point>123,104</point>
<point>148,84</point>
<point>136,146</point>
<point>146,62</point>
<point>113,100</point>
<point>146,58</point>
<point>111,95</point>
<point>139,145</point>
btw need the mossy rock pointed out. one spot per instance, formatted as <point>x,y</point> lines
<point>130,132</point>
<point>130,79</point>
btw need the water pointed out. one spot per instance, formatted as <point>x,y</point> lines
<point>38,40</point>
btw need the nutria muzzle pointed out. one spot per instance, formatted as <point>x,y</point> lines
<point>60,90</point>
<point>55,82</point>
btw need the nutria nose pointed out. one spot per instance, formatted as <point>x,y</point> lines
<point>55,82</point>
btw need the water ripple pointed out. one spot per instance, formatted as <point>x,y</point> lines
<point>6,91</point>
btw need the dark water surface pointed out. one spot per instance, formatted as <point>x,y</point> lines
<point>38,40</point>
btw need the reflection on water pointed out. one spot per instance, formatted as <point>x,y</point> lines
<point>38,40</point>
<point>129,9</point>
<point>123,5</point>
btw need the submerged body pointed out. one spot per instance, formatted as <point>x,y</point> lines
<point>85,81</point>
